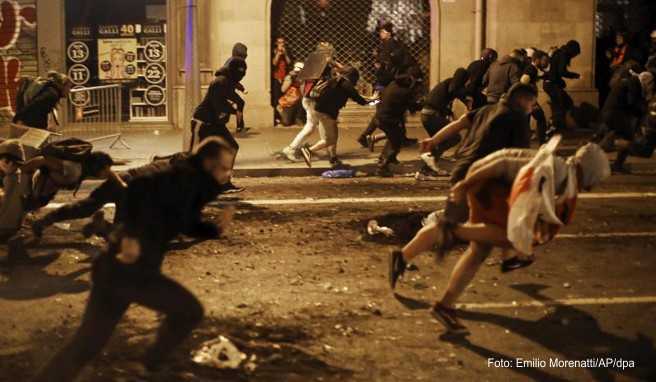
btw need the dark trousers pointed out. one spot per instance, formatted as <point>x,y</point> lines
<point>204,130</point>
<point>541,123</point>
<point>111,295</point>
<point>395,136</point>
<point>433,123</point>
<point>561,104</point>
<point>374,124</point>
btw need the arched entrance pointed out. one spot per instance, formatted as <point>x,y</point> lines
<point>351,27</point>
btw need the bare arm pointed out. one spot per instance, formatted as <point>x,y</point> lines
<point>447,132</point>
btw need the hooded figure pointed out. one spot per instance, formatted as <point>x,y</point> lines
<point>221,100</point>
<point>476,71</point>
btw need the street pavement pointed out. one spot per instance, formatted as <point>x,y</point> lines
<point>298,282</point>
<point>259,148</point>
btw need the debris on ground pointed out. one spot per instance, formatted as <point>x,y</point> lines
<point>221,353</point>
<point>374,229</point>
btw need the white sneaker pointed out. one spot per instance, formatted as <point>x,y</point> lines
<point>290,153</point>
<point>430,161</point>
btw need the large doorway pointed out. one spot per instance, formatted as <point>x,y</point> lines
<point>351,26</point>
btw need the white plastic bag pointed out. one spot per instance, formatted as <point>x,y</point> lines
<point>532,196</point>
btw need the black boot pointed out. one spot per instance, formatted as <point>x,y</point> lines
<point>397,266</point>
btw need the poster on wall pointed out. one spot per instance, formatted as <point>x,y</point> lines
<point>117,59</point>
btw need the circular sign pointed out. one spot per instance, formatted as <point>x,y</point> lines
<point>155,95</point>
<point>106,66</point>
<point>130,56</point>
<point>79,98</point>
<point>78,51</point>
<point>154,51</point>
<point>79,74</point>
<point>154,73</point>
<point>130,70</point>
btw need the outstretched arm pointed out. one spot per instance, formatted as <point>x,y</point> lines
<point>447,132</point>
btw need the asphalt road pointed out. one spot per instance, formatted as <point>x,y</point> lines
<point>297,282</point>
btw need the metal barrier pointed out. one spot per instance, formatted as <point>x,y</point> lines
<point>350,25</point>
<point>95,105</point>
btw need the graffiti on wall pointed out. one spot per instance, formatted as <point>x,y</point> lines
<point>15,18</point>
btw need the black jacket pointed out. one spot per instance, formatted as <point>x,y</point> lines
<point>35,114</point>
<point>164,204</point>
<point>625,97</point>
<point>476,71</point>
<point>395,100</point>
<point>558,69</point>
<point>493,127</point>
<point>216,107</point>
<point>501,76</point>
<point>441,97</point>
<point>334,98</point>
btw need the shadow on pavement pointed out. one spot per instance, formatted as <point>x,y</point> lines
<point>572,333</point>
<point>29,280</point>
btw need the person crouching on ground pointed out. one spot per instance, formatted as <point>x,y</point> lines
<point>493,222</point>
<point>157,209</point>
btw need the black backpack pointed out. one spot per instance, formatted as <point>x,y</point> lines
<point>28,89</point>
<point>70,149</point>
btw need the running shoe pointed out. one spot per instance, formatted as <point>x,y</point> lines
<point>447,317</point>
<point>290,154</point>
<point>515,263</point>
<point>430,161</point>
<point>307,155</point>
<point>230,188</point>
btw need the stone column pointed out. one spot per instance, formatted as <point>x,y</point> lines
<point>245,21</point>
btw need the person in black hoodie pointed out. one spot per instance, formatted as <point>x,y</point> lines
<point>158,208</point>
<point>109,191</point>
<point>436,113</point>
<point>332,100</point>
<point>502,75</point>
<point>554,83</point>
<point>622,112</point>
<point>33,109</point>
<point>396,99</point>
<point>476,71</point>
<point>221,100</point>
<point>539,62</point>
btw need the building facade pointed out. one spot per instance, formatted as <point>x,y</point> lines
<point>128,56</point>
